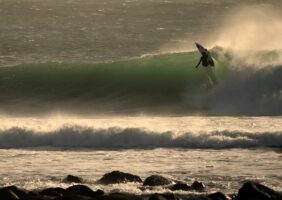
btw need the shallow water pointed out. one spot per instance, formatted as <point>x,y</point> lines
<point>223,170</point>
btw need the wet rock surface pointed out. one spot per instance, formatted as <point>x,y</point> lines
<point>57,192</point>
<point>218,196</point>
<point>165,196</point>
<point>156,180</point>
<point>180,186</point>
<point>116,177</point>
<point>249,191</point>
<point>255,191</point>
<point>7,194</point>
<point>82,190</point>
<point>72,179</point>
<point>199,186</point>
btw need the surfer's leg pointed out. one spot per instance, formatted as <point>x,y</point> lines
<point>211,76</point>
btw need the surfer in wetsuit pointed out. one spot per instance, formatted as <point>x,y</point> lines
<point>208,63</point>
<point>206,59</point>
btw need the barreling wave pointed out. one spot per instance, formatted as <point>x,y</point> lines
<point>152,83</point>
<point>111,138</point>
<point>158,84</point>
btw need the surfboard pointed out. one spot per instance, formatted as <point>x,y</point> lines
<point>201,48</point>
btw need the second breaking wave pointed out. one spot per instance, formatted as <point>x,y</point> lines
<point>135,138</point>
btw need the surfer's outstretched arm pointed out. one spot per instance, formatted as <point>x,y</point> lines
<point>199,62</point>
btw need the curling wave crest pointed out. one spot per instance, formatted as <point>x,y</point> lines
<point>111,138</point>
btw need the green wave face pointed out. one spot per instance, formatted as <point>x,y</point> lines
<point>144,84</point>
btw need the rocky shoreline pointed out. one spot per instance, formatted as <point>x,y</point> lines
<point>250,190</point>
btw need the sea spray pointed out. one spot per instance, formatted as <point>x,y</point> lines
<point>118,138</point>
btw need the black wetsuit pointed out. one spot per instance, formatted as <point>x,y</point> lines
<point>206,60</point>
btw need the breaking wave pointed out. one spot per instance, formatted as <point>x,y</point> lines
<point>117,138</point>
<point>157,84</point>
<point>250,88</point>
<point>154,83</point>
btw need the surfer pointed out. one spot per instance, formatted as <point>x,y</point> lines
<point>205,59</point>
<point>207,62</point>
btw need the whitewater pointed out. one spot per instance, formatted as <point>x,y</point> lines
<point>222,152</point>
<point>88,87</point>
<point>142,132</point>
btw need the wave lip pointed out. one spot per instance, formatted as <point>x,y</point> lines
<point>134,138</point>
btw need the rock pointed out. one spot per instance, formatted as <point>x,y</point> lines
<point>118,177</point>
<point>74,197</point>
<point>19,192</point>
<point>199,186</point>
<point>218,196</point>
<point>56,192</point>
<point>7,194</point>
<point>120,196</point>
<point>156,180</point>
<point>37,197</point>
<point>82,190</point>
<point>72,179</point>
<point>180,186</point>
<point>157,197</point>
<point>255,191</point>
<point>165,196</point>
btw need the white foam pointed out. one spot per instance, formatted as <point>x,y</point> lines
<point>82,137</point>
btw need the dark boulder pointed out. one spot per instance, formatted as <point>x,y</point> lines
<point>156,180</point>
<point>218,196</point>
<point>74,197</point>
<point>57,192</point>
<point>32,196</point>
<point>180,186</point>
<point>164,196</point>
<point>116,177</point>
<point>120,196</point>
<point>255,191</point>
<point>72,179</point>
<point>18,191</point>
<point>7,194</point>
<point>82,190</point>
<point>199,186</point>
<point>157,197</point>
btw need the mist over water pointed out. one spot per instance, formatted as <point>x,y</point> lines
<point>253,35</point>
<point>251,28</point>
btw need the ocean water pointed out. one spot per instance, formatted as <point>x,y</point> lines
<point>220,170</point>
<point>222,152</point>
<point>88,87</point>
